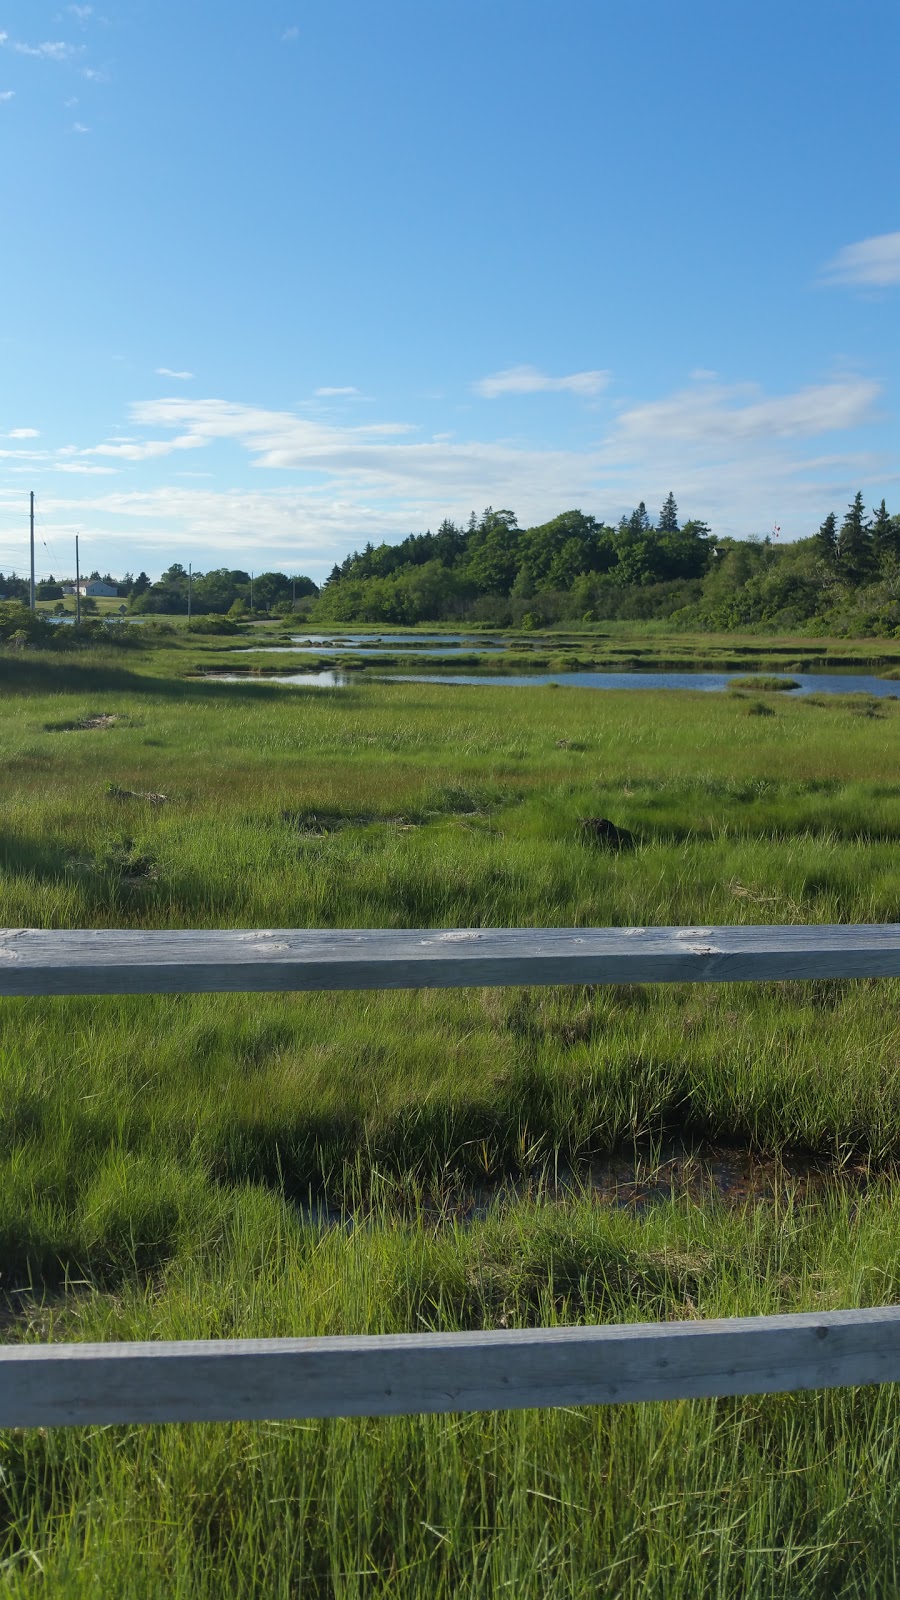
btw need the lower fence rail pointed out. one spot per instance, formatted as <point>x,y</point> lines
<point>230,1380</point>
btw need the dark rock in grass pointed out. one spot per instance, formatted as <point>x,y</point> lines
<point>117,793</point>
<point>600,831</point>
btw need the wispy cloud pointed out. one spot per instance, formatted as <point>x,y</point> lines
<point>7,94</point>
<point>870,264</point>
<point>290,35</point>
<point>83,13</point>
<point>529,380</point>
<point>346,389</point>
<point>49,50</point>
<point>731,447</point>
<point>24,433</point>
<point>80,127</point>
<point>168,372</point>
<point>85,469</point>
<point>709,414</point>
<point>147,449</point>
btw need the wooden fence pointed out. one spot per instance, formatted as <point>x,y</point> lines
<point>393,1375</point>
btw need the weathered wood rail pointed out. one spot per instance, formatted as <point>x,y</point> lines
<point>404,1374</point>
<point>37,962</point>
<point>224,1380</point>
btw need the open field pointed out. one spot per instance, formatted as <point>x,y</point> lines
<point>202,1166</point>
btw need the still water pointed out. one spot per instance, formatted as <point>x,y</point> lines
<point>810,683</point>
<point>422,644</point>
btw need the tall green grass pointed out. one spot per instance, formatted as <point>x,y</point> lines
<point>212,1165</point>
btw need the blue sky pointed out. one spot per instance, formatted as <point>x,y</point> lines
<point>280,278</point>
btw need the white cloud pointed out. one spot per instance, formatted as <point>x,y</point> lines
<point>23,433</point>
<point>871,263</point>
<point>79,127</point>
<point>274,438</point>
<point>528,380</point>
<point>81,12</point>
<point>708,432</point>
<point>7,94</point>
<point>83,468</point>
<point>347,389</point>
<point>713,414</point>
<point>147,450</point>
<point>49,50</point>
<point>167,372</point>
<point>290,34</point>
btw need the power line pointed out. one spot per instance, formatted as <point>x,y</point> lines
<point>46,541</point>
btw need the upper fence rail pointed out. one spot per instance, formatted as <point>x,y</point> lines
<point>125,961</point>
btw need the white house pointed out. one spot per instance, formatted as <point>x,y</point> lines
<point>96,588</point>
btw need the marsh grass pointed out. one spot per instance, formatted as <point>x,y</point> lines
<point>764,683</point>
<point>211,1165</point>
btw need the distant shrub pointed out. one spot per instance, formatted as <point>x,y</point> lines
<point>763,683</point>
<point>217,625</point>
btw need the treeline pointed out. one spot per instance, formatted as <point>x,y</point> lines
<point>845,577</point>
<point>224,591</point>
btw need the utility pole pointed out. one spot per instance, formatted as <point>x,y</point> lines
<point>77,584</point>
<point>190,573</point>
<point>32,551</point>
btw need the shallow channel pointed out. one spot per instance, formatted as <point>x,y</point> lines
<point>710,682</point>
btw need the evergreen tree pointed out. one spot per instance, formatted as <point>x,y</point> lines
<point>668,517</point>
<point>449,543</point>
<point>854,546</point>
<point>639,522</point>
<point>826,541</point>
<point>493,552</point>
<point>885,536</point>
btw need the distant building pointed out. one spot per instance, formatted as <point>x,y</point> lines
<point>95,588</point>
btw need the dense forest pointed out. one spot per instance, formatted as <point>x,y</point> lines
<point>844,578</point>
